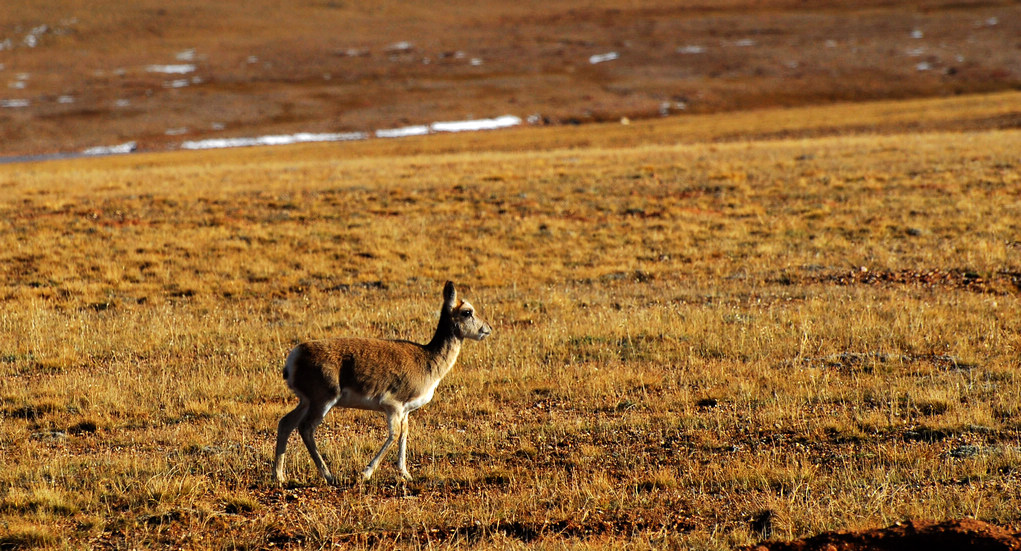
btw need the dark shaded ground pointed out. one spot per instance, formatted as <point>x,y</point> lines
<point>952,535</point>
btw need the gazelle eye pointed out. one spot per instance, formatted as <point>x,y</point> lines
<point>466,313</point>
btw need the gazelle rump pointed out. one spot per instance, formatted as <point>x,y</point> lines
<point>394,377</point>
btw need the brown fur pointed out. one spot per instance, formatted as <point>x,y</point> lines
<point>370,367</point>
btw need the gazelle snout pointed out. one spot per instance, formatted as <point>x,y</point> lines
<point>468,324</point>
<point>484,331</point>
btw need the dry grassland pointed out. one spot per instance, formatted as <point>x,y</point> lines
<point>696,344</point>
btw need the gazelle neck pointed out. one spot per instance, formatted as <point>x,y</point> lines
<point>444,346</point>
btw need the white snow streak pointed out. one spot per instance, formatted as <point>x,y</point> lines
<point>112,149</point>
<point>403,132</point>
<point>179,69</point>
<point>505,121</point>
<point>602,58</point>
<point>301,137</point>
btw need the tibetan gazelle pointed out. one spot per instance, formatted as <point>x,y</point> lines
<point>394,377</point>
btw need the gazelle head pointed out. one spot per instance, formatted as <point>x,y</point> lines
<point>464,319</point>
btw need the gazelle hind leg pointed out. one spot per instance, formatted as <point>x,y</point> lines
<point>307,428</point>
<point>393,421</point>
<point>284,429</point>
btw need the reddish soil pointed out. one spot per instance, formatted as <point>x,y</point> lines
<point>972,535</point>
<point>76,75</point>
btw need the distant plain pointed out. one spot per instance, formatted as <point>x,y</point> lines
<point>110,72</point>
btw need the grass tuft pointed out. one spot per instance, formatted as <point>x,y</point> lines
<point>28,537</point>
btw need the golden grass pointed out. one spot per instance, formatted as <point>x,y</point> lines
<point>686,335</point>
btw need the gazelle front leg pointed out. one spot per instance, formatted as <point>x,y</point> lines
<point>393,423</point>
<point>284,430</point>
<point>402,449</point>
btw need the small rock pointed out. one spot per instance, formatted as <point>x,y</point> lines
<point>965,451</point>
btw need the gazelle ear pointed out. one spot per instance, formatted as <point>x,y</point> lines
<point>449,296</point>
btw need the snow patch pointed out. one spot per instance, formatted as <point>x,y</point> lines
<point>420,130</point>
<point>354,52</point>
<point>505,121</point>
<point>667,107</point>
<point>603,58</point>
<point>179,69</point>
<point>301,137</point>
<point>399,47</point>
<point>32,38</point>
<point>692,49</point>
<point>13,103</point>
<point>20,82</point>
<point>112,149</point>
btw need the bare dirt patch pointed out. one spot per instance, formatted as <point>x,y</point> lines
<point>1000,282</point>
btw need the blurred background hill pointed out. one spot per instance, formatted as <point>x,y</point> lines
<point>75,75</point>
